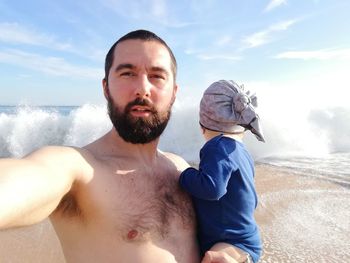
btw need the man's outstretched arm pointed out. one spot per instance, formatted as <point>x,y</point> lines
<point>31,188</point>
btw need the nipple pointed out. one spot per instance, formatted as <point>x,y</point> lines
<point>132,234</point>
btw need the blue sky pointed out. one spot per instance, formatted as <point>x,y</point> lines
<point>52,52</point>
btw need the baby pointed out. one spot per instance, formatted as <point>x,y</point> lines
<point>223,189</point>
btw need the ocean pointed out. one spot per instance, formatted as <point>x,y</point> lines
<point>300,221</point>
<point>322,150</point>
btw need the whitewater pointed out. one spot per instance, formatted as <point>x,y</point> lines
<point>319,137</point>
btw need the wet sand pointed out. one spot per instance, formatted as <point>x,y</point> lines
<point>302,219</point>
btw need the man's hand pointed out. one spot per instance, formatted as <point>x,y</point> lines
<point>217,257</point>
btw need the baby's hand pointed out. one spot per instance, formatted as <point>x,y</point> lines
<point>217,257</point>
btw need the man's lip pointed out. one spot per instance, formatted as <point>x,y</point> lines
<point>140,108</point>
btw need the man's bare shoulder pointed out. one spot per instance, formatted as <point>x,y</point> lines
<point>177,160</point>
<point>52,153</point>
<point>64,159</point>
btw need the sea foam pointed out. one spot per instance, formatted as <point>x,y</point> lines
<point>315,133</point>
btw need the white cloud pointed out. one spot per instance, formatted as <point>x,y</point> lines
<point>138,9</point>
<point>265,36</point>
<point>218,57</point>
<point>17,34</point>
<point>48,65</point>
<point>273,4</point>
<point>145,11</point>
<point>257,39</point>
<point>224,41</point>
<point>176,24</point>
<point>158,8</point>
<point>14,33</point>
<point>282,25</point>
<point>341,54</point>
<point>194,50</point>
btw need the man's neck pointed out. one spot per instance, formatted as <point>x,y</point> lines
<point>119,146</point>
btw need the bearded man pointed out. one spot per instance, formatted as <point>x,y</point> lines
<point>116,199</point>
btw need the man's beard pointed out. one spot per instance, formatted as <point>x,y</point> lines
<point>138,130</point>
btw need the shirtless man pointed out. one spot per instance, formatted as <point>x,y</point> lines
<point>116,199</point>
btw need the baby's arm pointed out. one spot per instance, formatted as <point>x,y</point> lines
<point>209,182</point>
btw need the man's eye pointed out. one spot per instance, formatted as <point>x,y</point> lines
<point>157,76</point>
<point>127,74</point>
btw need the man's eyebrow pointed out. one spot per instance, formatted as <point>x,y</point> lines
<point>160,69</point>
<point>131,66</point>
<point>124,66</point>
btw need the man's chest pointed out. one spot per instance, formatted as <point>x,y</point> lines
<point>140,204</point>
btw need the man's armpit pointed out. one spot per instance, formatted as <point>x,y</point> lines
<point>68,206</point>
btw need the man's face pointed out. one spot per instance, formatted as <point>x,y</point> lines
<point>140,90</point>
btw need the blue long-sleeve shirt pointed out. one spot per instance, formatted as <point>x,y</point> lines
<point>224,196</point>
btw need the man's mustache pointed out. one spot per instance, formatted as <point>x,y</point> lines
<point>141,102</point>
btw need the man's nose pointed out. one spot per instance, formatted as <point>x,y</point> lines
<point>144,86</point>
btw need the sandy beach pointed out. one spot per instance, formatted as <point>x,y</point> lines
<point>301,219</point>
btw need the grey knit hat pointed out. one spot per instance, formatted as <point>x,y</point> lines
<point>227,107</point>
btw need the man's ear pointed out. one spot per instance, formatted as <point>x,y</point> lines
<point>105,88</point>
<point>175,89</point>
<point>174,94</point>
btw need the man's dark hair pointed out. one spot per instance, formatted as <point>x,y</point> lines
<point>138,35</point>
